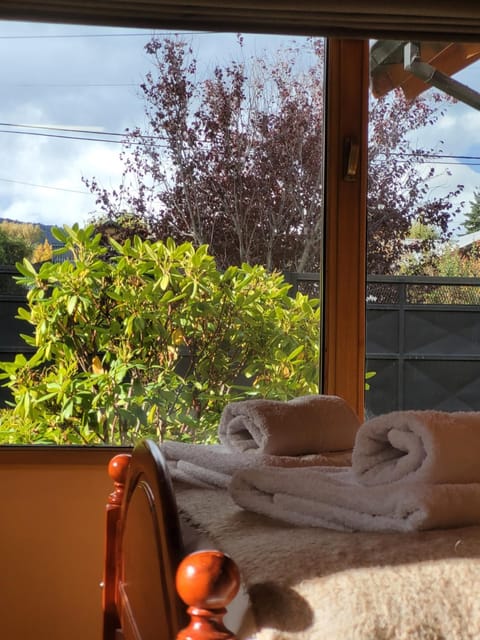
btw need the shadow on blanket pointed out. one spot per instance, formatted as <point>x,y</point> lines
<point>268,598</point>
<point>336,585</point>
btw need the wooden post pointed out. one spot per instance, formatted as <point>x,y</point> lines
<point>207,581</point>
<point>117,470</point>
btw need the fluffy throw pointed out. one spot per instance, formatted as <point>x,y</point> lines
<point>318,584</point>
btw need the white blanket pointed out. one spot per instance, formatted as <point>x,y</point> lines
<point>334,499</point>
<point>410,470</point>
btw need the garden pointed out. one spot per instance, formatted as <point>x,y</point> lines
<point>145,338</point>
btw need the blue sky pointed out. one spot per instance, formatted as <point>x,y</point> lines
<point>73,77</point>
<point>70,81</point>
<point>459,130</point>
<point>87,78</point>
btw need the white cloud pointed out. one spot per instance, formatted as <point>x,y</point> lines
<point>67,199</point>
<point>455,134</point>
<point>57,81</point>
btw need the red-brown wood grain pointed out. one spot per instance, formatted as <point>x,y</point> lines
<point>148,580</point>
<point>117,470</point>
<point>207,581</point>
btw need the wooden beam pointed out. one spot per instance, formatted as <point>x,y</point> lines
<point>345,221</point>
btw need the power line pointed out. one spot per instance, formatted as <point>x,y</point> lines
<point>458,164</point>
<point>55,128</point>
<point>55,135</point>
<point>44,186</point>
<point>419,156</point>
<point>70,85</point>
<point>432,155</point>
<point>82,138</point>
<point>73,130</point>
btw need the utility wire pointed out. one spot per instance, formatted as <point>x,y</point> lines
<point>431,155</point>
<point>44,186</point>
<point>54,135</point>
<point>123,135</point>
<point>165,146</point>
<point>426,156</point>
<point>71,130</point>
<point>54,128</point>
<point>43,85</point>
<point>80,138</point>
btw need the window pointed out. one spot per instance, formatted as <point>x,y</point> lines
<point>266,209</point>
<point>341,375</point>
<point>422,265</point>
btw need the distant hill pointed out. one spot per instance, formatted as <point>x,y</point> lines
<point>46,229</point>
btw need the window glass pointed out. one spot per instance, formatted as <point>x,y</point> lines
<point>423,263</point>
<point>166,192</point>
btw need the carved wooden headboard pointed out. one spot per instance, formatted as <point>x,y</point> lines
<point>146,570</point>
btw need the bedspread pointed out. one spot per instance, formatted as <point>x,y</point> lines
<point>318,584</point>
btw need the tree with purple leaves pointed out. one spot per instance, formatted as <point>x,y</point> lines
<point>235,160</point>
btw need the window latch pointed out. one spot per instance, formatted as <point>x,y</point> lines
<point>351,156</point>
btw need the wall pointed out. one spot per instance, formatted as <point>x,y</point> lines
<point>51,542</point>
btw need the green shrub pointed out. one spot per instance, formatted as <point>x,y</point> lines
<point>153,341</point>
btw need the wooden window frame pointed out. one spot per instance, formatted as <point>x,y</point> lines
<point>343,334</point>
<point>346,143</point>
<point>343,284</point>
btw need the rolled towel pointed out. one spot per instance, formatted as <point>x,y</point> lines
<point>334,499</point>
<point>214,465</point>
<point>305,425</point>
<point>418,446</point>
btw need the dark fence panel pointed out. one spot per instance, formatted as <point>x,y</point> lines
<point>307,283</point>
<point>12,296</point>
<point>423,342</point>
<point>423,338</point>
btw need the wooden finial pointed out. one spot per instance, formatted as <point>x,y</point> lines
<point>207,581</point>
<point>117,470</point>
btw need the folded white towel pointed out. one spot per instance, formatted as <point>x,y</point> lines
<point>213,465</point>
<point>305,425</point>
<point>419,446</point>
<point>334,499</point>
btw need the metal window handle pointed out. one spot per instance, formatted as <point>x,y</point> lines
<point>351,155</point>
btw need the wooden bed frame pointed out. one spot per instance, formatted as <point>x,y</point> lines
<point>164,580</point>
<point>152,589</point>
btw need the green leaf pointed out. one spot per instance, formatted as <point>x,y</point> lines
<point>296,352</point>
<point>71,304</point>
<point>26,268</point>
<point>164,281</point>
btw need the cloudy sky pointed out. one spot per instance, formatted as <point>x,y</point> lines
<point>59,78</point>
<point>457,134</point>
<point>65,77</point>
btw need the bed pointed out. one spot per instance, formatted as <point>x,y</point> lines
<point>177,557</point>
<point>146,562</point>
